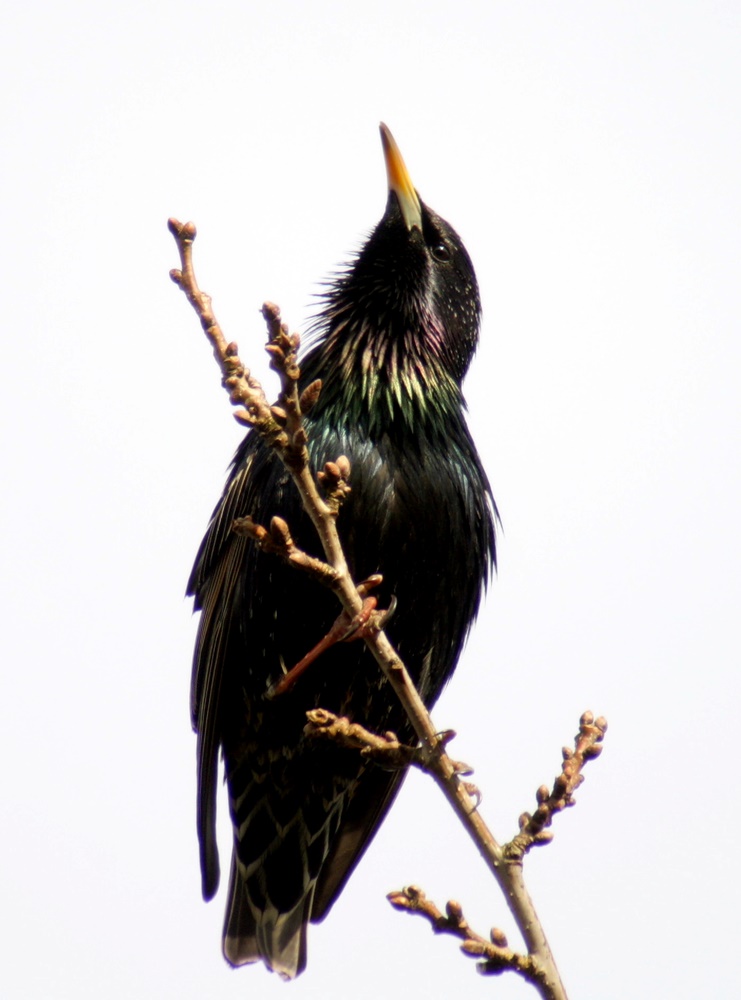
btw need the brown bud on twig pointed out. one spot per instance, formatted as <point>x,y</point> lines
<point>333,477</point>
<point>182,230</point>
<point>281,534</point>
<point>542,838</point>
<point>244,417</point>
<point>498,937</point>
<point>472,947</point>
<point>277,354</point>
<point>271,315</point>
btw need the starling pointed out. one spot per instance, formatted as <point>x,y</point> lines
<point>392,344</point>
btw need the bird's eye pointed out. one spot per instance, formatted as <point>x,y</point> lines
<point>440,252</point>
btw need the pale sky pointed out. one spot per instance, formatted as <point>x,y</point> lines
<point>589,155</point>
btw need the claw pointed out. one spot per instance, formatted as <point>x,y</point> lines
<point>383,617</point>
<point>356,628</point>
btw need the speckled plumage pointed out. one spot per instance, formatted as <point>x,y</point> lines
<point>392,345</point>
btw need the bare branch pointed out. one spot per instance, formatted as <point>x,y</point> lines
<point>281,427</point>
<point>279,542</point>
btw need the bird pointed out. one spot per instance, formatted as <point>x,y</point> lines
<point>393,339</point>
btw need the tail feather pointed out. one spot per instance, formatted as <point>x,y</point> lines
<point>252,934</point>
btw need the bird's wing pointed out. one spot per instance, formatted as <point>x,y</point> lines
<point>215,583</point>
<point>208,673</point>
<point>234,502</point>
<point>362,817</point>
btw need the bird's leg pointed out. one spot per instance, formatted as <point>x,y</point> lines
<point>337,633</point>
<point>345,629</point>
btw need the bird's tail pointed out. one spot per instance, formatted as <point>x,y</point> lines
<point>252,935</point>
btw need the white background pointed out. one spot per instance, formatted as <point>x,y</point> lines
<point>588,153</point>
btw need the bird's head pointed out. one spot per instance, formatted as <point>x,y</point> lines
<point>400,325</point>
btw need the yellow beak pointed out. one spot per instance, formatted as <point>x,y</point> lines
<point>400,182</point>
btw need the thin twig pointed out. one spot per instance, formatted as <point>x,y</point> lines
<point>385,748</point>
<point>533,828</point>
<point>498,956</point>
